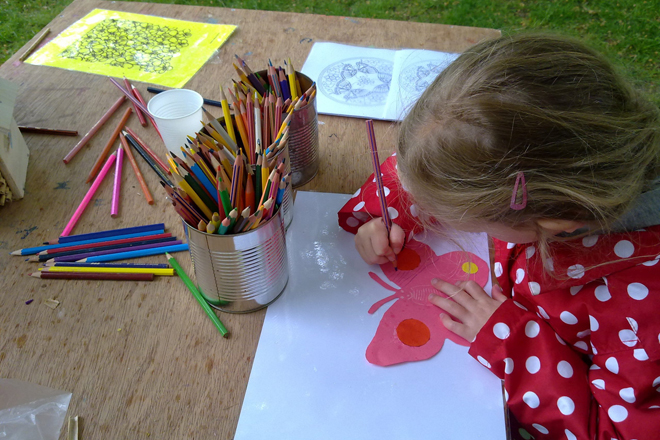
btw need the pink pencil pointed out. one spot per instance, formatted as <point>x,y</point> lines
<point>88,196</point>
<point>116,189</point>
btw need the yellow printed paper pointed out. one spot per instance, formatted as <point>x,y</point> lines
<point>140,47</point>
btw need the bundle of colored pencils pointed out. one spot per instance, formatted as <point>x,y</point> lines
<point>218,189</point>
<point>87,256</point>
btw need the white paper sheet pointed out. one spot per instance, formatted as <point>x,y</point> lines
<point>310,379</point>
<point>371,83</point>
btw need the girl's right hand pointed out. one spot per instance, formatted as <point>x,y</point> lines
<point>373,243</point>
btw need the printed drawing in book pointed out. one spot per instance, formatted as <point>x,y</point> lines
<point>411,329</point>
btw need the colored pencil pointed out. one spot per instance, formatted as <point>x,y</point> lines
<point>139,97</point>
<point>198,296</point>
<point>227,115</point>
<point>116,189</point>
<point>90,193</point>
<point>53,256</point>
<point>41,130</point>
<point>110,265</point>
<point>93,276</point>
<point>156,91</point>
<point>75,246</point>
<point>160,227</point>
<point>136,254</point>
<point>148,150</point>
<point>68,267</point>
<point>129,95</point>
<point>34,45</point>
<point>37,249</point>
<point>108,146</point>
<point>92,131</point>
<point>131,247</point>
<point>136,169</point>
<point>138,112</point>
<point>159,172</point>
<point>379,180</point>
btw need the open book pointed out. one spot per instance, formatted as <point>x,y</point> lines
<point>371,83</point>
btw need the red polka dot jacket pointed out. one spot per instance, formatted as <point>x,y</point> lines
<point>578,348</point>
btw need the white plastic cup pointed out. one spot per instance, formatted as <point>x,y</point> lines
<point>178,114</point>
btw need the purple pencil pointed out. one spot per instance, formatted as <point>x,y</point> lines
<point>77,257</point>
<point>116,189</point>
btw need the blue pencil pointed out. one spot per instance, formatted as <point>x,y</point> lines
<point>117,265</point>
<point>135,254</point>
<point>37,249</point>
<point>197,171</point>
<point>110,233</point>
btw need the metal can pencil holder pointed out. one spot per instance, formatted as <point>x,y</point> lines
<point>244,272</point>
<point>303,137</point>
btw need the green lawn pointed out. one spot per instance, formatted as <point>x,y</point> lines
<point>628,31</point>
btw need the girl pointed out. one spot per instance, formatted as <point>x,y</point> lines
<point>538,142</point>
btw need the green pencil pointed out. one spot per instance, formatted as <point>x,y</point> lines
<point>198,296</point>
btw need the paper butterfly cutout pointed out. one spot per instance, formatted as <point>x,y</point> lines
<point>411,329</point>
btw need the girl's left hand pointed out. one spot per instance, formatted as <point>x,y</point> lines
<point>468,303</point>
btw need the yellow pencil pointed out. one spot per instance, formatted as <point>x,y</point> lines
<point>155,271</point>
<point>291,73</point>
<point>225,112</point>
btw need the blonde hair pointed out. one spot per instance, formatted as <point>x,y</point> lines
<point>587,143</point>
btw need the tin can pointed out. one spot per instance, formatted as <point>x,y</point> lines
<point>241,273</point>
<point>304,139</point>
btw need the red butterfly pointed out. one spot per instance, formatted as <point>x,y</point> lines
<point>411,329</point>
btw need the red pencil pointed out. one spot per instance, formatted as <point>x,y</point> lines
<point>138,112</point>
<point>44,274</point>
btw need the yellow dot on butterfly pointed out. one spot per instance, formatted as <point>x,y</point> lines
<point>470,268</point>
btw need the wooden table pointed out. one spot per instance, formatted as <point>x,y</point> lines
<point>141,359</point>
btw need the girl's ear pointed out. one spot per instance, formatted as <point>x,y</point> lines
<point>557,226</point>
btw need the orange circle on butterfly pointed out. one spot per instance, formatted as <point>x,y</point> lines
<point>408,259</point>
<point>413,332</point>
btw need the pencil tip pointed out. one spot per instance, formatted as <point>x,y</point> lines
<point>18,252</point>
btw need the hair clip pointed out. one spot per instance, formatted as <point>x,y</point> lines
<point>519,186</point>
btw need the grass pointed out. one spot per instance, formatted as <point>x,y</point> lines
<point>627,31</point>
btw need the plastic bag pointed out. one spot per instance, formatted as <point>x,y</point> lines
<point>31,412</point>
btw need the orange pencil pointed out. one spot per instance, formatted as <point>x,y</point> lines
<point>137,110</point>
<point>134,165</point>
<point>99,162</point>
<point>250,196</point>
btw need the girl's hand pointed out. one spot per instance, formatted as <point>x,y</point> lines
<point>468,303</point>
<point>373,243</point>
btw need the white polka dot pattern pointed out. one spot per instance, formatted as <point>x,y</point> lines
<point>602,293</point>
<point>540,428</point>
<point>566,405</point>
<point>359,206</point>
<point>599,383</point>
<point>627,394</point>
<point>532,329</point>
<point>501,330</point>
<point>612,365</point>
<point>508,365</point>
<point>352,222</point>
<point>640,354</point>
<point>568,318</point>
<point>534,287</point>
<point>533,364</point>
<point>590,240</point>
<point>569,435</point>
<point>624,249</point>
<point>497,268</point>
<point>531,399</point>
<point>520,275</point>
<point>637,291</point>
<point>593,324</point>
<point>564,369</point>
<point>575,271</point>
<point>530,251</point>
<point>617,413</point>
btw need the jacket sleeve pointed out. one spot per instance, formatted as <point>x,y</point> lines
<point>556,392</point>
<point>364,205</point>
